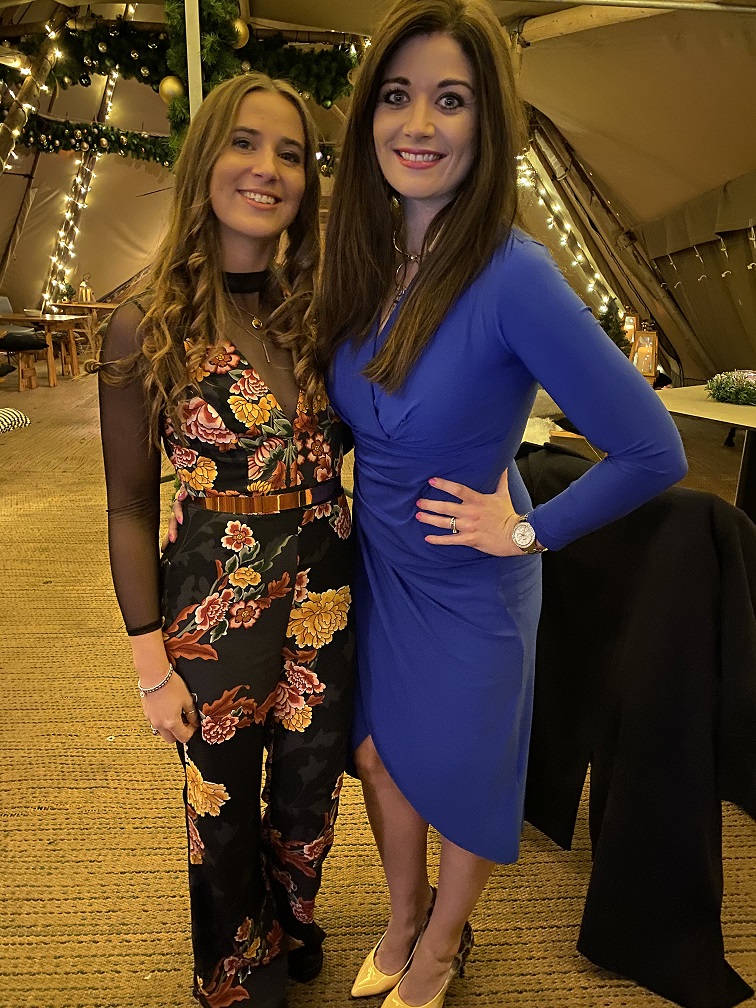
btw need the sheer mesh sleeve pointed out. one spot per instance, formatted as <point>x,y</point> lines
<point>132,478</point>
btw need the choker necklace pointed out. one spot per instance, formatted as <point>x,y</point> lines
<point>246,283</point>
<point>256,324</point>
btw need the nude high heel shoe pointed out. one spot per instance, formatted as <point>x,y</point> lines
<point>370,980</point>
<point>395,999</point>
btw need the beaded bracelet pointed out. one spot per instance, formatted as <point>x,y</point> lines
<point>153,689</point>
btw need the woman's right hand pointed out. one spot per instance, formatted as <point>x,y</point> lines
<point>177,518</point>
<point>171,711</point>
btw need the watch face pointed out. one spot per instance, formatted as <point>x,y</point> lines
<point>523,535</point>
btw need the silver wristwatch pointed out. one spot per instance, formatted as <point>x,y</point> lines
<point>524,537</point>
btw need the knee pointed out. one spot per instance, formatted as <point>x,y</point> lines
<point>368,763</point>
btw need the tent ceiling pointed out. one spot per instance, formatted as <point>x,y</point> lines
<point>654,107</point>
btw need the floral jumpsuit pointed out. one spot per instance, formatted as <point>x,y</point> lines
<point>255,612</point>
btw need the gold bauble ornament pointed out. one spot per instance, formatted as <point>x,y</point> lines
<point>352,75</point>
<point>241,28</point>
<point>170,88</point>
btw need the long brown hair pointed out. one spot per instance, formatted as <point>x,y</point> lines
<point>184,292</point>
<point>359,261</point>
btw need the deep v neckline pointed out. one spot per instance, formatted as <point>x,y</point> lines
<point>272,395</point>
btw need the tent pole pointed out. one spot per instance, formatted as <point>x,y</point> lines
<point>606,263</point>
<point>18,223</point>
<point>193,58</point>
<point>28,93</point>
<point>576,19</point>
<point>620,241</point>
<point>662,5</point>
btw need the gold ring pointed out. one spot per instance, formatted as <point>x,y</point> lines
<point>453,526</point>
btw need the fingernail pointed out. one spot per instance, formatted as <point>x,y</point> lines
<point>172,537</point>
<point>180,520</point>
<point>432,481</point>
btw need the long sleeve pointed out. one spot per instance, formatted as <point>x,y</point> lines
<point>132,478</point>
<point>555,336</point>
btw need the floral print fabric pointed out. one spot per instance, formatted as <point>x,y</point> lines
<point>257,622</point>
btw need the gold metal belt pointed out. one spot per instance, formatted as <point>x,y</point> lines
<point>261,504</point>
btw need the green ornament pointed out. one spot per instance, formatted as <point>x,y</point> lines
<point>327,103</point>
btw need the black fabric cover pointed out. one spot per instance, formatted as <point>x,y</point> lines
<point>646,669</point>
<point>17,342</point>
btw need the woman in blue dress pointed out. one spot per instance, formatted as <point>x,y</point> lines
<point>437,319</point>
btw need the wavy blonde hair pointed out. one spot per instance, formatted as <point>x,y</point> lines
<point>184,293</point>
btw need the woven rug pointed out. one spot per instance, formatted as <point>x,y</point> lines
<point>93,908</point>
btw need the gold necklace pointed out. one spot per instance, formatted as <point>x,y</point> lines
<point>401,288</point>
<point>256,324</point>
<point>408,258</point>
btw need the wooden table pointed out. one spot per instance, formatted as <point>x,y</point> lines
<point>64,324</point>
<point>89,311</point>
<point>694,401</point>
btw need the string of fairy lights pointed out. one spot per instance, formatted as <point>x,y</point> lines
<point>61,260</point>
<point>529,178</point>
<point>64,254</point>
<point>27,107</point>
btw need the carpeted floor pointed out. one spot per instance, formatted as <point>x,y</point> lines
<point>93,911</point>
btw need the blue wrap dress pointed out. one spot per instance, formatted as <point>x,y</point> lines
<point>446,634</point>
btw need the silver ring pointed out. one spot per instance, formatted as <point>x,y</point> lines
<point>155,731</point>
<point>453,526</point>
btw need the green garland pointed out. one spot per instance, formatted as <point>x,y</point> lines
<point>149,56</point>
<point>323,74</point>
<point>51,136</point>
<point>98,50</point>
<point>737,387</point>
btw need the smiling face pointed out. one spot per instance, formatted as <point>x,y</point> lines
<point>425,121</point>
<point>258,180</point>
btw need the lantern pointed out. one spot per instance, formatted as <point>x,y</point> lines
<point>84,293</point>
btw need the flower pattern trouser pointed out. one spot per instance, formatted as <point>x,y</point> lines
<point>257,623</point>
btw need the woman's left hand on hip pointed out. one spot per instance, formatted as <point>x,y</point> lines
<point>483,521</point>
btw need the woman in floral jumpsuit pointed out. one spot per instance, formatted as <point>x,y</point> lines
<point>241,634</point>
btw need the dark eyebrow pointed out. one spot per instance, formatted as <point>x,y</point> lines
<point>286,141</point>
<point>450,82</point>
<point>455,83</point>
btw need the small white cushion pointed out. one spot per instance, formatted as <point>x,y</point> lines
<point>12,418</point>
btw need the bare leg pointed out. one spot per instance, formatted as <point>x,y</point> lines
<point>462,878</point>
<point>402,839</point>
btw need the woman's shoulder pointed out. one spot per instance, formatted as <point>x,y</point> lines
<point>518,251</point>
<point>122,336</point>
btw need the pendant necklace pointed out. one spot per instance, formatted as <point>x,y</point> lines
<point>401,288</point>
<point>256,324</point>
